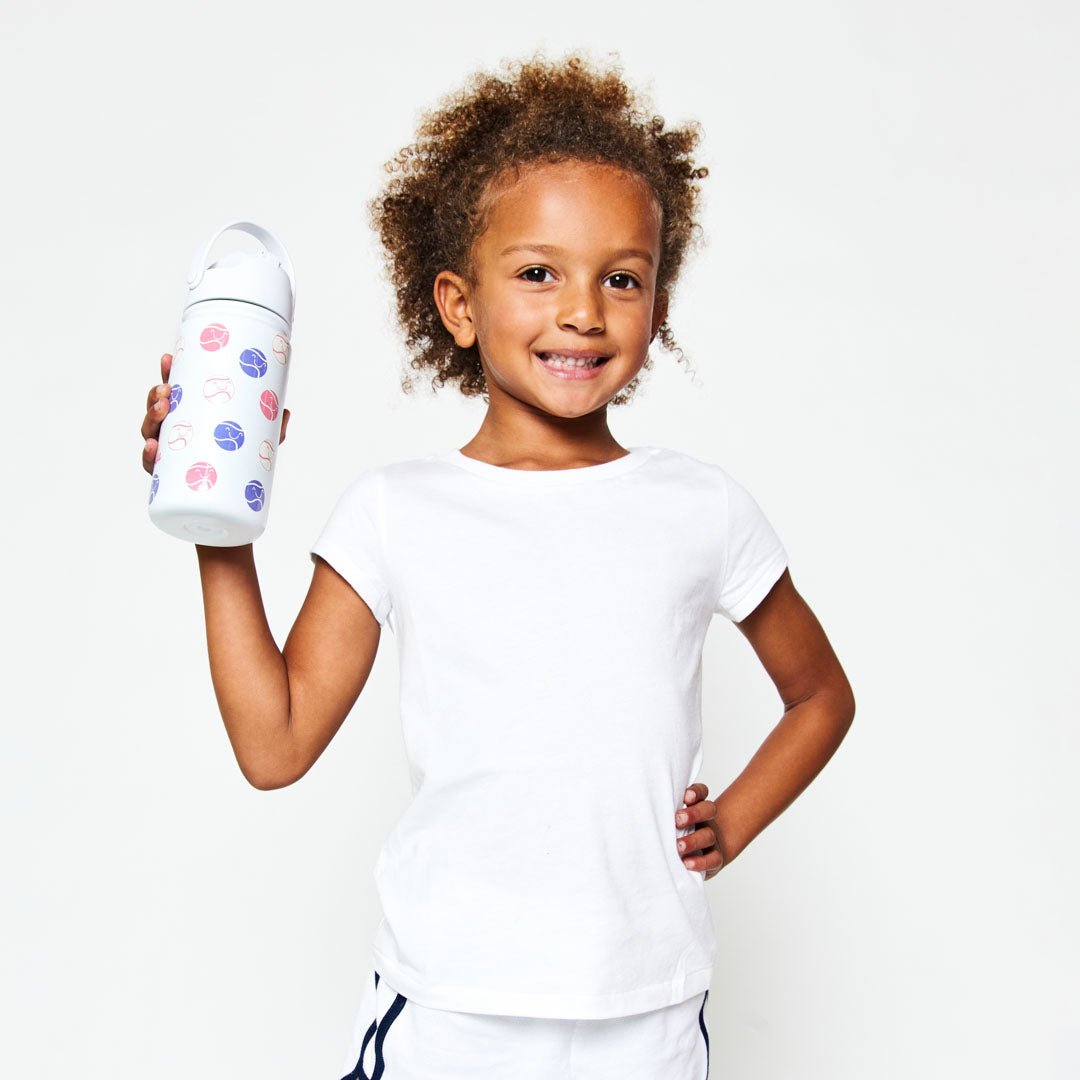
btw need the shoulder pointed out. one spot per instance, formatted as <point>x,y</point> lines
<point>378,493</point>
<point>711,490</point>
<point>674,465</point>
<point>371,482</point>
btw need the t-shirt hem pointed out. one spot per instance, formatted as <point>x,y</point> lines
<point>545,1006</point>
<point>364,584</point>
<point>759,588</point>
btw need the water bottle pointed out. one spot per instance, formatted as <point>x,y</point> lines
<point>215,462</point>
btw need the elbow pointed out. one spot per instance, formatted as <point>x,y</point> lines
<point>845,705</point>
<point>265,782</point>
<point>835,702</point>
<point>832,703</point>
<point>269,775</point>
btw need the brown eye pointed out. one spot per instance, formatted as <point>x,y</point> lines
<point>534,274</point>
<point>623,281</point>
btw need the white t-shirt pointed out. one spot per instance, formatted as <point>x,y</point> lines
<point>549,627</point>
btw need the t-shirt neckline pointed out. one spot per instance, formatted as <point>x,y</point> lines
<point>636,456</point>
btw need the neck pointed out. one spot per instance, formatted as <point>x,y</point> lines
<point>544,441</point>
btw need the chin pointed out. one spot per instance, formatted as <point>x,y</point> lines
<point>567,412</point>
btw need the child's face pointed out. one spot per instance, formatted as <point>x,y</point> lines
<point>565,268</point>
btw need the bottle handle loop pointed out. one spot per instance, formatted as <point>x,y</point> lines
<point>264,236</point>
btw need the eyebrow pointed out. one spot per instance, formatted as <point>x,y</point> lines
<point>551,249</point>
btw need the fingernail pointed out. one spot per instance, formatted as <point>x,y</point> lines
<point>682,845</point>
<point>680,819</point>
<point>691,795</point>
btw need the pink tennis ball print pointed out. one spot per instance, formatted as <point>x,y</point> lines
<point>268,402</point>
<point>202,476</point>
<point>180,435</point>
<point>266,454</point>
<point>218,388</point>
<point>281,349</point>
<point>214,337</point>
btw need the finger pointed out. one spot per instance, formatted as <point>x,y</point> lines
<point>699,840</point>
<point>166,367</point>
<point>695,814</point>
<point>149,455</point>
<point>161,390</point>
<point>711,861</point>
<point>285,414</point>
<point>155,413</point>
<point>696,792</point>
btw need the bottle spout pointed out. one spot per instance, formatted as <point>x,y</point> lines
<point>270,293</point>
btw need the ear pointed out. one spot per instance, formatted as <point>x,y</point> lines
<point>452,300</point>
<point>659,312</point>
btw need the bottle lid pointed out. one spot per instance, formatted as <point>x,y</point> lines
<point>265,279</point>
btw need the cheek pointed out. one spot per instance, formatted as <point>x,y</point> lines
<point>508,317</point>
<point>635,323</point>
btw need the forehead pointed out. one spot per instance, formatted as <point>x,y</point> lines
<point>570,203</point>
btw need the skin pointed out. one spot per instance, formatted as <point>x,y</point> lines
<point>567,261</point>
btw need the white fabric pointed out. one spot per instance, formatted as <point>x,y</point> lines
<point>549,628</point>
<point>398,1039</point>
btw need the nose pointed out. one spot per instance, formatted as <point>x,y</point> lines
<point>581,309</point>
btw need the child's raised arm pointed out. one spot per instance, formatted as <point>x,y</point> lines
<point>281,707</point>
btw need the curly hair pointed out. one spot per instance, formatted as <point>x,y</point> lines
<point>434,206</point>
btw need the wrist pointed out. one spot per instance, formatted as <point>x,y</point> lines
<point>243,554</point>
<point>727,834</point>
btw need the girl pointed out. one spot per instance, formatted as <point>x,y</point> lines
<point>551,653</point>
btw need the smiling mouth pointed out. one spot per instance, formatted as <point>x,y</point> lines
<point>572,361</point>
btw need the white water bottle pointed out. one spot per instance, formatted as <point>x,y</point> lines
<point>216,449</point>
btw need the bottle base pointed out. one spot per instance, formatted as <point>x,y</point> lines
<point>207,530</point>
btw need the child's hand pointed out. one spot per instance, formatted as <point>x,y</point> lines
<point>700,849</point>
<point>157,408</point>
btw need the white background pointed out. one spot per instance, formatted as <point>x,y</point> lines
<point>883,328</point>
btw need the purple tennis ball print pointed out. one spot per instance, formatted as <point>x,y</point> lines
<point>175,394</point>
<point>253,363</point>
<point>229,435</point>
<point>255,495</point>
<point>154,486</point>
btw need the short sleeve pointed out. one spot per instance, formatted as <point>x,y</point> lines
<point>351,542</point>
<point>753,557</point>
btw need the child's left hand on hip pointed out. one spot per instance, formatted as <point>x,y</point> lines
<point>699,850</point>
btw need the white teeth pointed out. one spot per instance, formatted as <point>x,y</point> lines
<point>556,360</point>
